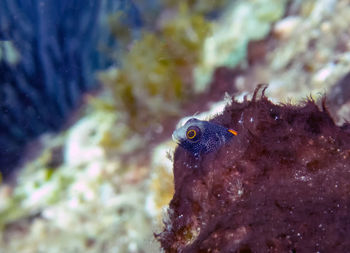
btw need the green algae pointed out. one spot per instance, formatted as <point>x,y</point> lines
<point>168,66</point>
<point>199,6</point>
<point>155,78</point>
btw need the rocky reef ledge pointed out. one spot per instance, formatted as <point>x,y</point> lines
<point>281,186</point>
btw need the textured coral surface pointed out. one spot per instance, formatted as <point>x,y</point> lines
<point>281,186</point>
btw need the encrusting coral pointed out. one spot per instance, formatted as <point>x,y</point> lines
<point>281,185</point>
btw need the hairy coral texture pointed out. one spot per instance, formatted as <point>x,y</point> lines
<point>281,186</point>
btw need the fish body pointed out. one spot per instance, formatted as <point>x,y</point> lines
<point>201,137</point>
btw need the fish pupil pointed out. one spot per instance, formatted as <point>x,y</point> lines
<point>193,134</point>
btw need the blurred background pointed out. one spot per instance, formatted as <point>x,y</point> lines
<point>91,91</point>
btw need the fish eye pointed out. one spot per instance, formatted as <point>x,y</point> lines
<point>193,133</point>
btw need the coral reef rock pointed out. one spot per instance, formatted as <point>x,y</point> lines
<point>282,185</point>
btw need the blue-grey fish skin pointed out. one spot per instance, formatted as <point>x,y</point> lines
<point>213,136</point>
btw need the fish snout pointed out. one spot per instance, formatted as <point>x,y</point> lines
<point>178,135</point>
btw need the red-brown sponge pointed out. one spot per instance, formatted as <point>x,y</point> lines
<point>282,185</point>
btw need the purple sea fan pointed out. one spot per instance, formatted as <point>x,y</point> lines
<point>281,185</point>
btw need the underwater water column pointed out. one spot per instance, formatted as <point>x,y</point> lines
<point>57,47</point>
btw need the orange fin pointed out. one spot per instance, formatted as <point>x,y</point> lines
<point>232,131</point>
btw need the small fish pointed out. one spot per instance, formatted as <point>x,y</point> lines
<point>200,137</point>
